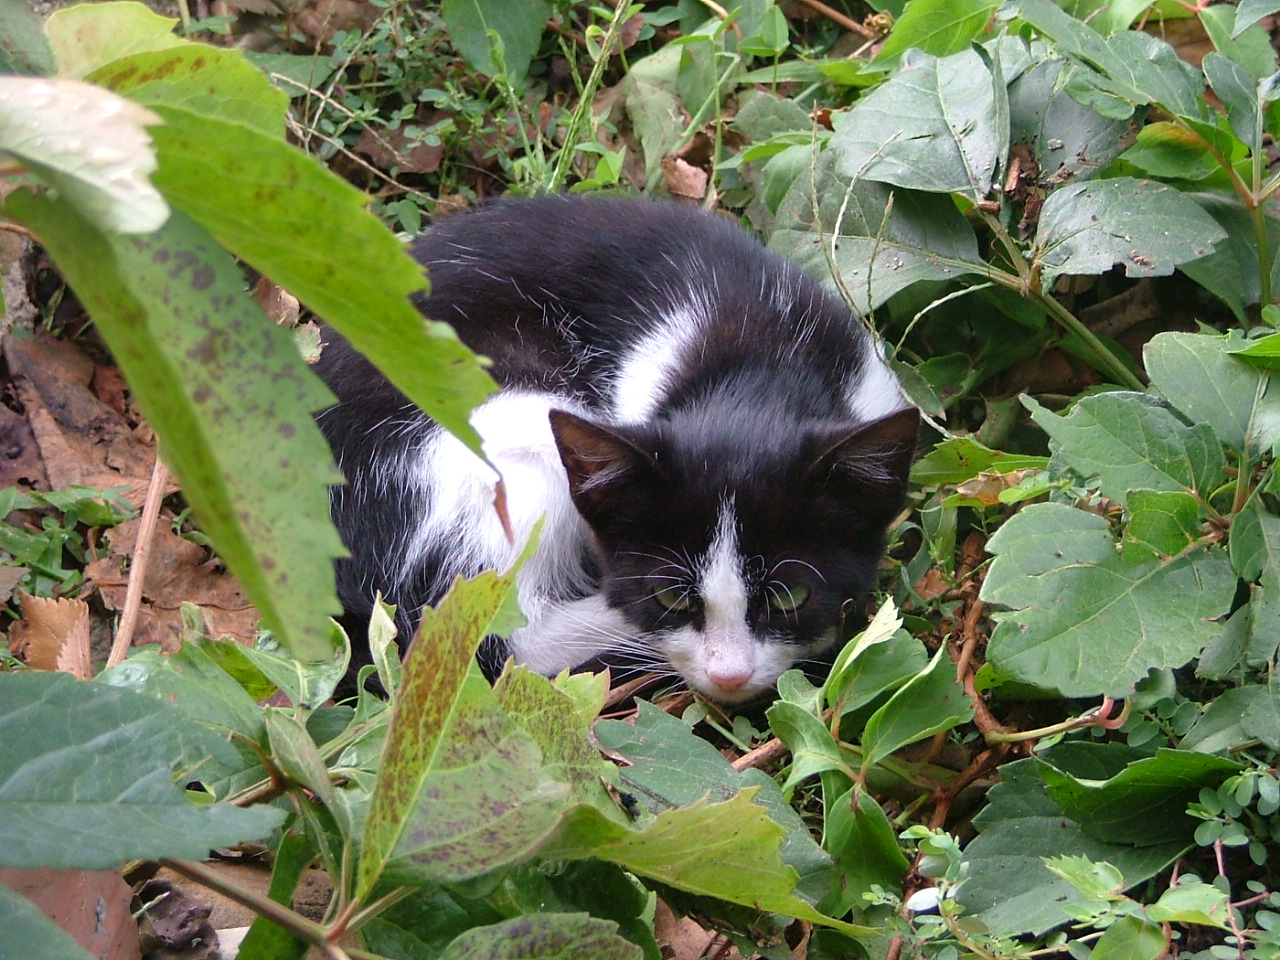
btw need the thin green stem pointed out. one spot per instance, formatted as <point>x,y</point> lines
<point>612,37</point>
<point>1108,362</point>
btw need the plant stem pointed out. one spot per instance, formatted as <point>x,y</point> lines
<point>1097,717</point>
<point>565,157</point>
<point>1108,362</point>
<point>278,914</point>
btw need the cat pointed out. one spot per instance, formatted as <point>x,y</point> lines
<point>716,442</point>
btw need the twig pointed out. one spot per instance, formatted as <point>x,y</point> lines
<point>845,21</point>
<point>138,568</point>
<point>761,756</point>
<point>264,906</point>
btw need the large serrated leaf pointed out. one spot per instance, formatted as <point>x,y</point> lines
<point>1087,228</point>
<point>1142,802</point>
<point>462,789</point>
<point>213,83</point>
<point>86,779</point>
<point>1085,623</point>
<point>1198,375</point>
<point>935,127</point>
<point>27,933</point>
<point>230,398</point>
<point>544,936</point>
<point>1009,887</point>
<point>84,36</point>
<point>88,143</point>
<point>879,240</point>
<point>1130,441</point>
<point>281,211</point>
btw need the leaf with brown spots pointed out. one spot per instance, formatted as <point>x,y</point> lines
<point>462,789</point>
<point>229,397</point>
<point>310,232</point>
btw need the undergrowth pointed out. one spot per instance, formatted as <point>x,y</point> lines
<point>1059,732</point>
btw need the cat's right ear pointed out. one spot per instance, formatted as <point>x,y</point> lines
<point>596,460</point>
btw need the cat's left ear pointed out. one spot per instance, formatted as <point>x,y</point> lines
<point>876,455</point>
<point>596,460</point>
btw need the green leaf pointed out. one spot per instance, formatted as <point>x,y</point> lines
<point>293,856</point>
<point>1069,140</point>
<point>935,127</point>
<point>86,779</point>
<point>1200,376</point>
<point>668,766</point>
<point>1261,721</point>
<point>938,27</point>
<point>813,749</point>
<point>879,240</point>
<point>929,702</point>
<point>280,210</point>
<point>86,36</point>
<point>544,936</point>
<point>1130,938</point>
<point>201,80</point>
<point>519,25</point>
<point>1096,881</point>
<point>1239,94</point>
<point>23,47</point>
<point>1250,12</point>
<point>461,790</point>
<point>1162,524</point>
<point>230,398</point>
<point>1231,271</point>
<point>1174,152</point>
<point>1248,46</point>
<point>1143,803</point>
<point>1010,890</point>
<point>652,102</point>
<point>1192,902</point>
<point>958,459</point>
<point>1130,441</point>
<point>197,687</point>
<point>1133,66</point>
<point>88,143</point>
<point>27,933</point>
<point>1085,623</point>
<point>1087,228</point>
<point>1221,726</point>
<point>865,847</point>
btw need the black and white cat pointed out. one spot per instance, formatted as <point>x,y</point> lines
<point>716,442</point>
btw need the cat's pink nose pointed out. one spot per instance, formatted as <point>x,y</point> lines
<point>729,676</point>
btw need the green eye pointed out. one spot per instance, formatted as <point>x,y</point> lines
<point>787,599</point>
<point>680,598</point>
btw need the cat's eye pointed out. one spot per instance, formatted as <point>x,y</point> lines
<point>787,599</point>
<point>678,599</point>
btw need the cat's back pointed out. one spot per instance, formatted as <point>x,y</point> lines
<point>625,303</point>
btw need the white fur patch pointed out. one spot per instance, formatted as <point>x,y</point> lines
<point>567,634</point>
<point>518,441</point>
<point>644,374</point>
<point>875,393</point>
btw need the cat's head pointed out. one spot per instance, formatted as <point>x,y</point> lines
<point>736,550</point>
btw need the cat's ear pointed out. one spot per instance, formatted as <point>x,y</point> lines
<point>874,456</point>
<point>596,460</point>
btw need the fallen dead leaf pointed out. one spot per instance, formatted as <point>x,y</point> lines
<point>986,487</point>
<point>683,179</point>
<point>179,572</point>
<point>57,634</point>
<point>82,441</point>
